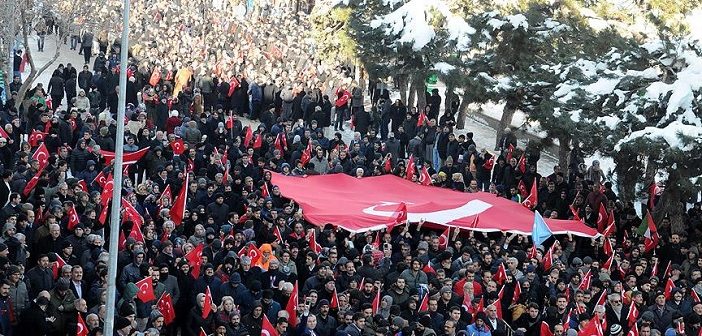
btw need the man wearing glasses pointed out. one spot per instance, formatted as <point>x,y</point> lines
<point>616,312</point>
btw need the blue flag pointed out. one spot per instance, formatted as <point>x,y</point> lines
<point>540,232</point>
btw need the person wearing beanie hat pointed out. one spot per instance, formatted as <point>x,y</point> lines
<point>479,326</point>
<point>123,326</point>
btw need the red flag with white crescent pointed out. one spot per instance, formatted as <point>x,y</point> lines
<point>633,314</point>
<point>376,302</point>
<point>81,327</point>
<point>128,158</point>
<point>36,137</point>
<point>165,306</point>
<point>501,274</point>
<point>521,187</point>
<point>264,190</point>
<point>178,146</point>
<point>314,246</point>
<point>444,238</point>
<point>517,292</point>
<point>248,137</point>
<point>42,156</point>
<point>602,218</point>
<point>83,186</point>
<point>291,306</point>
<point>522,164</point>
<point>545,329</point>
<point>32,182</point>
<point>207,306</point>
<point>146,289</point>
<point>132,213</point>
<point>57,265</point>
<point>178,208</point>
<point>532,200</point>
<point>136,234</point>
<point>409,171</point>
<point>100,179</point>
<point>258,142</point>
<point>424,176</point>
<point>421,119</point>
<point>194,258</point>
<point>73,218</point>
<point>267,328</point>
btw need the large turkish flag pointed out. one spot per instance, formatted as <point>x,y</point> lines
<point>370,203</point>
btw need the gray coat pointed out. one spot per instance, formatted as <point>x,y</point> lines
<point>20,297</point>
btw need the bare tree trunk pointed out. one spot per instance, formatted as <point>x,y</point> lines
<point>563,151</point>
<point>401,86</point>
<point>463,111</point>
<point>449,98</point>
<point>34,73</point>
<point>412,93</point>
<point>670,205</point>
<point>505,121</point>
<point>421,91</point>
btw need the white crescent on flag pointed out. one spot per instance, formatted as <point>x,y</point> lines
<point>468,209</point>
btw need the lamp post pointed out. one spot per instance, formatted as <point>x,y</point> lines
<point>117,174</point>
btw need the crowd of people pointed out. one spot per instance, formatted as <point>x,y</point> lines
<point>259,262</point>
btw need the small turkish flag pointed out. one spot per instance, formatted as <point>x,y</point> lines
<point>35,137</point>
<point>668,291</point>
<point>545,329</point>
<point>424,176</point>
<point>57,266</point>
<point>334,303</point>
<point>32,182</point>
<point>41,155</point>
<point>291,306</point>
<point>421,119</point>
<point>81,327</point>
<point>178,146</point>
<point>532,200</point>
<point>146,290</point>
<point>194,258</point>
<point>207,306</point>
<point>409,171</point>
<point>444,238</point>
<point>267,328</point>
<point>401,216</point>
<point>248,137</point>
<point>376,302</point>
<point>522,164</point>
<point>517,293</point>
<point>258,142</point>
<point>178,208</point>
<point>316,248</point>
<point>602,218</point>
<point>501,274</point>
<point>165,306</point>
<point>73,218</point>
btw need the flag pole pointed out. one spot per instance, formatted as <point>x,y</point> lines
<point>117,175</point>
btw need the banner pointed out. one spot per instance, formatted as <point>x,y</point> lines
<point>370,203</point>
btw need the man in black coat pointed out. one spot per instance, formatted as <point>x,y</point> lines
<point>40,278</point>
<point>362,121</point>
<point>34,319</point>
